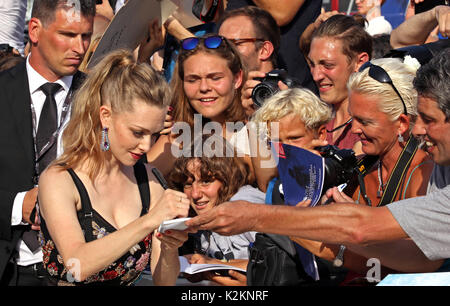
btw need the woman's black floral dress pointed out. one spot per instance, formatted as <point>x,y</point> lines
<point>123,271</point>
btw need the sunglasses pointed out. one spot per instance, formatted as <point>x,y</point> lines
<point>379,74</point>
<point>211,42</point>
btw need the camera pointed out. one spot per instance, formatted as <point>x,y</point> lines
<point>269,85</point>
<point>340,165</point>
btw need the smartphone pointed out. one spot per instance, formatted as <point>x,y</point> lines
<point>428,5</point>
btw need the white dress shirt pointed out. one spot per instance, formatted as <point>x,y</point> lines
<point>12,23</point>
<point>378,26</point>
<point>35,81</point>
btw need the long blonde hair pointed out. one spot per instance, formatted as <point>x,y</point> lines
<point>117,80</point>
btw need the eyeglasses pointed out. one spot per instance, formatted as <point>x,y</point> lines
<point>379,74</point>
<point>239,41</point>
<point>211,42</point>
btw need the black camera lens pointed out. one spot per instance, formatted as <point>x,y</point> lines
<point>261,92</point>
<point>269,85</point>
<point>339,165</point>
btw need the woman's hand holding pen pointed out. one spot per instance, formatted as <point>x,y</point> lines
<point>173,204</point>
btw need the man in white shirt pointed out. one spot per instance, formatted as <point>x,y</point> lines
<point>256,35</point>
<point>12,23</point>
<point>60,34</point>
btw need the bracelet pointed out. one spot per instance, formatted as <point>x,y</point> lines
<point>339,260</point>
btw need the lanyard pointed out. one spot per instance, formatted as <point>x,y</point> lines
<point>53,138</point>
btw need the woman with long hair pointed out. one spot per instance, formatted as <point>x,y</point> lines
<point>207,82</point>
<point>99,204</point>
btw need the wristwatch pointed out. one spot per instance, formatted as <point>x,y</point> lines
<point>339,260</point>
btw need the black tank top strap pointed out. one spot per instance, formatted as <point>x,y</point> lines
<point>140,172</point>
<point>85,216</point>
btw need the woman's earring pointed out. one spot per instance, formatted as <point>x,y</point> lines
<point>104,143</point>
<point>400,138</point>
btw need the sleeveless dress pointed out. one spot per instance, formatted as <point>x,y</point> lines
<point>125,270</point>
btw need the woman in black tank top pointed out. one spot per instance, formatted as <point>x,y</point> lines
<point>99,203</point>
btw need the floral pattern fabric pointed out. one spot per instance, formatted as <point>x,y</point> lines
<point>124,271</point>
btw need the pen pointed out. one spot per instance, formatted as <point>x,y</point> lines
<point>160,178</point>
<point>342,187</point>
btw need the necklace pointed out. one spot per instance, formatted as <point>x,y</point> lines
<point>380,182</point>
<point>341,126</point>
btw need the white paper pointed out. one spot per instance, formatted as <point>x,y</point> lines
<point>188,268</point>
<point>176,224</point>
<point>128,27</point>
<point>130,24</point>
<point>183,13</point>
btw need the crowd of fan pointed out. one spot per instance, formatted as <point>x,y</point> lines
<point>80,143</point>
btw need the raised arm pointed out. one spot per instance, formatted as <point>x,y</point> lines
<point>415,30</point>
<point>305,38</point>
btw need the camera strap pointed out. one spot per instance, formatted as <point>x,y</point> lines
<point>400,169</point>
<point>362,167</point>
<point>396,177</point>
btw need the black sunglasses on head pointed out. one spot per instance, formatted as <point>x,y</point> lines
<point>211,42</point>
<point>379,74</point>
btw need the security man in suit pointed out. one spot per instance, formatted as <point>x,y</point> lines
<point>35,101</point>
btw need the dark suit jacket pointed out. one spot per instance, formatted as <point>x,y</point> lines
<point>16,151</point>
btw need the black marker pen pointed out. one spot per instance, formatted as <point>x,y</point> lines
<point>160,178</point>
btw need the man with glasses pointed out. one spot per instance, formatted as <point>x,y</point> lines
<point>292,17</point>
<point>409,235</point>
<point>256,35</point>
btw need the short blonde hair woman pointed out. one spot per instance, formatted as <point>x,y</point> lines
<point>402,76</point>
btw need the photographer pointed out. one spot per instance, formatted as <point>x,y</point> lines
<point>256,36</point>
<point>379,232</point>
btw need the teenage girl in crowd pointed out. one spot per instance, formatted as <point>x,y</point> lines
<point>206,84</point>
